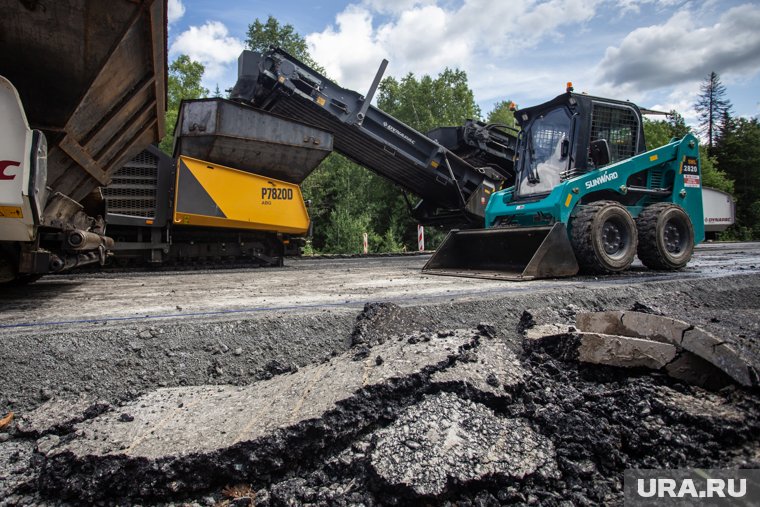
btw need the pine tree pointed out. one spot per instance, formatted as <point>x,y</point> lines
<point>711,107</point>
<point>217,91</point>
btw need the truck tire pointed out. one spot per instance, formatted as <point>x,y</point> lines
<point>666,236</point>
<point>603,235</point>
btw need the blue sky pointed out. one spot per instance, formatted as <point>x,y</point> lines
<point>653,52</point>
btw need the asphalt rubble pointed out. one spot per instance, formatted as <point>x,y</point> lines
<point>407,406</point>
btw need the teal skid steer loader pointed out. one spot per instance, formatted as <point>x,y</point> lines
<point>587,197</point>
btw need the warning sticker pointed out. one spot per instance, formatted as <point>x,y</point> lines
<point>11,212</point>
<point>691,181</point>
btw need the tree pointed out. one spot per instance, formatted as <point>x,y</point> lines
<point>344,233</point>
<point>711,175</point>
<point>184,83</point>
<point>217,91</point>
<point>712,107</point>
<point>660,132</point>
<point>657,133</point>
<point>262,35</point>
<point>738,154</point>
<point>427,103</point>
<point>503,113</point>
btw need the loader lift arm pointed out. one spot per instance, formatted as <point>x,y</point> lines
<point>453,191</point>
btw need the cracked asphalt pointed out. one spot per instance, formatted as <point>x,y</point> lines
<point>356,382</point>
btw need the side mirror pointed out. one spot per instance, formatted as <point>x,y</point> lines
<point>600,152</point>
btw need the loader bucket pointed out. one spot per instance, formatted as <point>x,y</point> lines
<point>523,253</point>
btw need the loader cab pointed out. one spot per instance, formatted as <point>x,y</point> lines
<point>572,135</point>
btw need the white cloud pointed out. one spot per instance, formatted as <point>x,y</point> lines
<point>423,37</point>
<point>680,50</point>
<point>681,99</point>
<point>210,45</point>
<point>349,51</point>
<point>175,10</point>
<point>394,6</point>
<point>634,6</point>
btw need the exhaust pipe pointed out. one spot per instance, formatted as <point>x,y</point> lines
<point>79,240</point>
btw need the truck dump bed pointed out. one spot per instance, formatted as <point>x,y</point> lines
<point>231,134</point>
<point>92,76</point>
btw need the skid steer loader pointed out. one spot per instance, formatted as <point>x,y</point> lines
<point>588,197</point>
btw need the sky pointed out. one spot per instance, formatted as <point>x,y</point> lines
<point>655,53</point>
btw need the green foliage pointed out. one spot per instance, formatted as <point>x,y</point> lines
<point>711,175</point>
<point>184,83</point>
<point>345,231</point>
<point>308,249</point>
<point>657,133</point>
<point>502,114</point>
<point>678,125</point>
<point>660,132</point>
<point>262,35</point>
<point>339,184</point>
<point>738,154</point>
<point>427,103</point>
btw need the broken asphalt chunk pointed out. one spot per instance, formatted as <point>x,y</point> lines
<point>191,438</point>
<point>446,439</point>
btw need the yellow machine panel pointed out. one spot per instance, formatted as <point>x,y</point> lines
<point>211,195</point>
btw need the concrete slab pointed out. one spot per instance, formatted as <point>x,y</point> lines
<point>635,324</point>
<point>693,369</point>
<point>181,421</point>
<point>623,351</point>
<point>676,332</point>
<point>447,439</point>
<point>710,348</point>
<point>538,332</point>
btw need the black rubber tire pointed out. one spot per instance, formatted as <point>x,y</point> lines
<point>604,237</point>
<point>666,236</point>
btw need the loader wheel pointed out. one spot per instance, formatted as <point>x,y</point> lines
<point>666,236</point>
<point>603,237</point>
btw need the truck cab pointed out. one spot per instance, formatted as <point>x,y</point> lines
<point>23,179</point>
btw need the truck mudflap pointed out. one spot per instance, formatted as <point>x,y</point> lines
<point>525,253</point>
